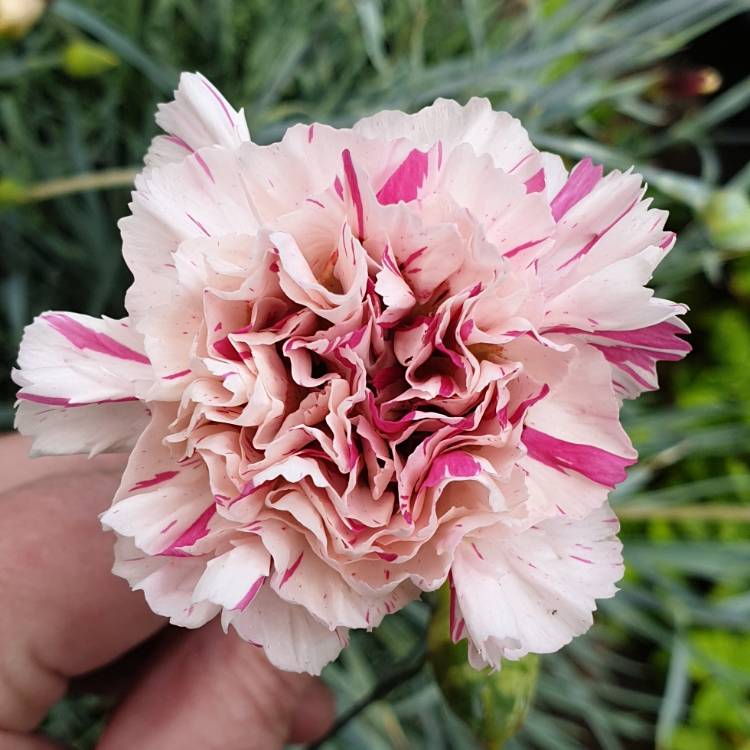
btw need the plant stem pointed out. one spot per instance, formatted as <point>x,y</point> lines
<point>411,666</point>
<point>108,178</point>
<point>701,512</point>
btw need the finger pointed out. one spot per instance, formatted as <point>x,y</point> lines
<point>314,715</point>
<point>69,615</point>
<point>16,468</point>
<point>213,691</point>
<point>13,741</point>
<point>115,679</point>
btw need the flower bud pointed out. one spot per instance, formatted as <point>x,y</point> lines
<point>727,217</point>
<point>681,83</point>
<point>82,59</point>
<point>18,16</point>
<point>12,193</point>
<point>493,704</point>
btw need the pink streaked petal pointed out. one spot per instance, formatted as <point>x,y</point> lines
<point>201,161</point>
<point>524,406</point>
<point>580,183</point>
<point>175,375</point>
<point>623,358</point>
<point>199,225</point>
<point>158,478</point>
<point>456,621</point>
<point>252,592</point>
<point>407,178</point>
<point>180,142</point>
<point>86,338</point>
<point>668,241</point>
<point>191,535</point>
<point>46,400</point>
<point>339,188</point>
<point>525,246</point>
<point>289,572</point>
<point>536,183</point>
<point>600,466</point>
<point>220,100</point>
<point>351,180</point>
<point>587,247</point>
<point>662,336</point>
<point>532,592</point>
<point>458,464</point>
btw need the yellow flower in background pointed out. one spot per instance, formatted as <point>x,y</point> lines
<point>18,16</point>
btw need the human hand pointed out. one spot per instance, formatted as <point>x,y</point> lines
<point>62,615</point>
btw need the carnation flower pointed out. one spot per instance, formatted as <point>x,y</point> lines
<point>359,363</point>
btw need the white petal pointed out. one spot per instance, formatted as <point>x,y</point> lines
<point>302,577</point>
<point>167,583</point>
<point>576,447</point>
<point>232,579</point>
<point>166,507</point>
<point>102,428</point>
<point>80,379</point>
<point>293,640</point>
<point>198,117</point>
<point>486,131</point>
<point>614,298</point>
<point>535,591</point>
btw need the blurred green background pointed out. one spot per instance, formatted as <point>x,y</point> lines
<point>661,84</point>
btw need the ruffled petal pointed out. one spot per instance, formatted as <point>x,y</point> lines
<point>535,591</point>
<point>101,428</point>
<point>167,583</point>
<point>164,505</point>
<point>449,123</point>
<point>575,445</point>
<point>198,117</point>
<point>302,577</point>
<point>292,639</point>
<point>633,354</point>
<point>80,378</point>
<point>233,580</point>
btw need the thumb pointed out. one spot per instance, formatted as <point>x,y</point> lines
<point>209,690</point>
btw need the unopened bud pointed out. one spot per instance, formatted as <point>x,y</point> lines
<point>82,59</point>
<point>681,83</point>
<point>727,217</point>
<point>12,193</point>
<point>493,704</point>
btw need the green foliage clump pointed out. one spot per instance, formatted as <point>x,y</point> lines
<point>719,716</point>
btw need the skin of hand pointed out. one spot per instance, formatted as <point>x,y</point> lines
<point>64,615</point>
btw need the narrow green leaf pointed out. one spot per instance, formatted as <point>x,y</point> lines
<point>675,695</point>
<point>158,73</point>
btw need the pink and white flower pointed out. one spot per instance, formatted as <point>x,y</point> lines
<point>358,363</point>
